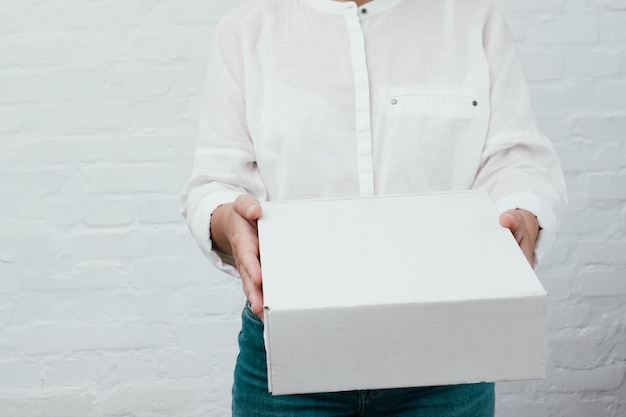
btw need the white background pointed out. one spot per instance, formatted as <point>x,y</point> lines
<point>107,308</point>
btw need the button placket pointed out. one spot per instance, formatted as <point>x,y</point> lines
<point>362,103</point>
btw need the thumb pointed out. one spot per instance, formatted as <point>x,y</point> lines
<point>513,221</point>
<point>248,207</point>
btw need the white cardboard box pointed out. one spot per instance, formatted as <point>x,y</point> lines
<point>396,291</point>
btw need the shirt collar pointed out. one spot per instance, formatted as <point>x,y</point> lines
<point>339,7</point>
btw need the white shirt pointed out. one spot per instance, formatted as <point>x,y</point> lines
<point>317,98</point>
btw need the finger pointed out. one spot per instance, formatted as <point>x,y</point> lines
<point>509,219</point>
<point>246,251</point>
<point>246,258</point>
<point>529,251</point>
<point>514,221</point>
<point>250,263</point>
<point>247,207</point>
<point>254,292</point>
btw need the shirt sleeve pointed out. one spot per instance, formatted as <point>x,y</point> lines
<point>225,163</point>
<point>519,165</point>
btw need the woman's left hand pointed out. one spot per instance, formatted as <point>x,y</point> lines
<point>525,228</point>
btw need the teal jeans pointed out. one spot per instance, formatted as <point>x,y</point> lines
<point>251,399</point>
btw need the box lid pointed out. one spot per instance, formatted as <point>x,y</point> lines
<point>380,250</point>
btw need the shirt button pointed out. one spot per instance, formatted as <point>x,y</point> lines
<point>394,101</point>
<point>364,11</point>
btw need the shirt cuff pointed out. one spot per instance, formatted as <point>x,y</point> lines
<point>545,217</point>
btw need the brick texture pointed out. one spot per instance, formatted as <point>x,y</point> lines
<point>107,308</point>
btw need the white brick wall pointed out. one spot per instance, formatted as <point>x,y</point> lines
<point>107,308</point>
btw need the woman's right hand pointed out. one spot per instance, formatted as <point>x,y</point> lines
<point>234,232</point>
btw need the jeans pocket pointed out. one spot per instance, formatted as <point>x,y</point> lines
<point>249,314</point>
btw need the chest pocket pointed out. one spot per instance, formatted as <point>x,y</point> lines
<point>437,139</point>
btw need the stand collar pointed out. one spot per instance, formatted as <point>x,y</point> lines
<point>339,7</point>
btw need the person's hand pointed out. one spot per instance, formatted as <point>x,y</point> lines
<point>525,228</point>
<point>234,231</point>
